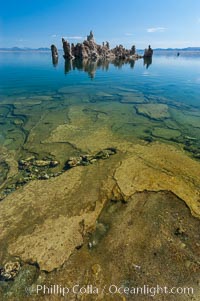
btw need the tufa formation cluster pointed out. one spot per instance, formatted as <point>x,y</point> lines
<point>89,49</point>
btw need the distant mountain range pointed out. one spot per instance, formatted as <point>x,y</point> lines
<point>178,49</point>
<point>41,49</point>
<point>25,49</point>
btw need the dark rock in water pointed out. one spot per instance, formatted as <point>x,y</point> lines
<point>74,161</point>
<point>104,154</point>
<point>54,50</point>
<point>192,147</point>
<point>181,233</point>
<point>197,156</point>
<point>81,51</point>
<point>67,49</point>
<point>44,176</point>
<point>54,53</point>
<point>120,52</point>
<point>31,169</point>
<point>4,169</point>
<point>53,163</point>
<point>32,162</point>
<point>111,150</point>
<point>9,271</point>
<point>148,52</point>
<point>147,139</point>
<point>133,50</point>
<point>2,278</point>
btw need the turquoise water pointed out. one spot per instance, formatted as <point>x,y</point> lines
<point>54,110</point>
<point>170,76</point>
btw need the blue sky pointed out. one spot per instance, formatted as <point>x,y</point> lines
<point>161,23</point>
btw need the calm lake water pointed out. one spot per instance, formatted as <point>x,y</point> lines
<point>147,101</point>
<point>169,76</point>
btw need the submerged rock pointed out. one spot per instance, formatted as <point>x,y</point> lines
<point>105,153</point>
<point>54,50</point>
<point>153,111</point>
<point>53,163</point>
<point>30,169</point>
<point>74,161</point>
<point>165,133</point>
<point>10,270</point>
<point>41,163</point>
<point>44,176</point>
<point>32,162</point>
<point>89,158</point>
<point>159,167</point>
<point>62,215</point>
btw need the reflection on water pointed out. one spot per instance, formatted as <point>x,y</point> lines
<point>147,61</point>
<point>90,66</point>
<point>54,60</point>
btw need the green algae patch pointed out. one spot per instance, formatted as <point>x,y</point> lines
<point>153,111</point>
<point>189,117</point>
<point>165,133</point>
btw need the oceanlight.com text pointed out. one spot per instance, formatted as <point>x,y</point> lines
<point>111,289</point>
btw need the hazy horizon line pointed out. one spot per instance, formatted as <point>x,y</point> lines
<point>60,49</point>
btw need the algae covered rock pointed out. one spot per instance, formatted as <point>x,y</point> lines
<point>50,218</point>
<point>10,270</point>
<point>153,111</point>
<point>51,243</point>
<point>89,158</point>
<point>159,167</point>
<point>166,133</point>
